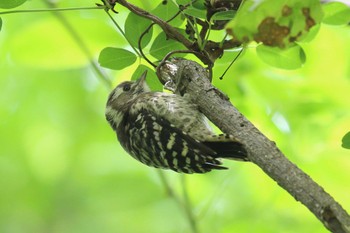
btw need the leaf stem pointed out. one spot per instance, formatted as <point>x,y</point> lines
<point>52,10</point>
<point>123,33</point>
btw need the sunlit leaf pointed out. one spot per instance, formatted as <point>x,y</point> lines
<point>195,12</point>
<point>197,4</point>
<point>152,79</point>
<point>183,2</point>
<point>167,11</point>
<point>7,4</point>
<point>115,58</point>
<point>312,33</point>
<point>134,27</point>
<point>346,141</point>
<point>0,24</point>
<point>161,46</point>
<point>277,23</point>
<point>291,58</point>
<point>224,15</point>
<point>336,13</point>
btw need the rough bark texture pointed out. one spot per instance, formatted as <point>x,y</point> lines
<point>189,77</point>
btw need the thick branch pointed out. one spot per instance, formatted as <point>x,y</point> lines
<point>263,152</point>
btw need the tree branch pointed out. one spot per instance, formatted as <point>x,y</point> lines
<point>193,80</point>
<point>170,31</point>
<point>212,50</point>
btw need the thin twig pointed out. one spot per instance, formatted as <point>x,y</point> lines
<point>208,51</point>
<point>168,29</point>
<point>149,27</point>
<point>51,10</point>
<point>140,45</point>
<point>123,33</point>
<point>229,66</point>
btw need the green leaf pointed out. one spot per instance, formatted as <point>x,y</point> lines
<point>7,4</point>
<point>291,58</point>
<point>134,27</point>
<point>183,2</point>
<point>336,13</point>
<point>196,12</point>
<point>196,8</point>
<point>346,141</point>
<point>167,11</point>
<point>223,15</point>
<point>0,24</point>
<point>152,79</point>
<point>277,24</point>
<point>312,33</point>
<point>162,46</point>
<point>199,4</point>
<point>115,58</point>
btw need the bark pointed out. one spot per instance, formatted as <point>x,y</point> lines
<point>188,77</point>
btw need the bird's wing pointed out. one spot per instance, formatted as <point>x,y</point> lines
<point>159,143</point>
<point>179,111</point>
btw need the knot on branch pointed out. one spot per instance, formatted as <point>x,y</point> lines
<point>177,73</point>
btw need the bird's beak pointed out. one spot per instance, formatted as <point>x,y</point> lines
<point>142,79</point>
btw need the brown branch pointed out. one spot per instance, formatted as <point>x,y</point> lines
<point>210,52</point>
<point>263,152</point>
<point>170,31</point>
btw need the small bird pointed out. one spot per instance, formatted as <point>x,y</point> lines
<point>167,131</point>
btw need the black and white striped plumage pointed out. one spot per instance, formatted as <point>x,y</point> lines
<point>167,131</point>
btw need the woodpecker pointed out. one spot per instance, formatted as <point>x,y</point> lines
<point>167,131</point>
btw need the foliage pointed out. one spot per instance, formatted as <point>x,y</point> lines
<point>337,13</point>
<point>11,4</point>
<point>62,169</point>
<point>115,58</point>
<point>280,24</point>
<point>291,58</point>
<point>134,27</point>
<point>346,141</point>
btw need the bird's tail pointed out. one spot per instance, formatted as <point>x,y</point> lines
<point>226,146</point>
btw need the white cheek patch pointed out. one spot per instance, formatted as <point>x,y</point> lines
<point>145,87</point>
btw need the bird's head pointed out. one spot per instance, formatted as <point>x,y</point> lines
<point>122,97</point>
<point>126,92</point>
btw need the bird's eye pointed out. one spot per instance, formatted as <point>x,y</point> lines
<point>126,87</point>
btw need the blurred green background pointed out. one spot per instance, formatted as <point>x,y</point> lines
<point>62,169</point>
